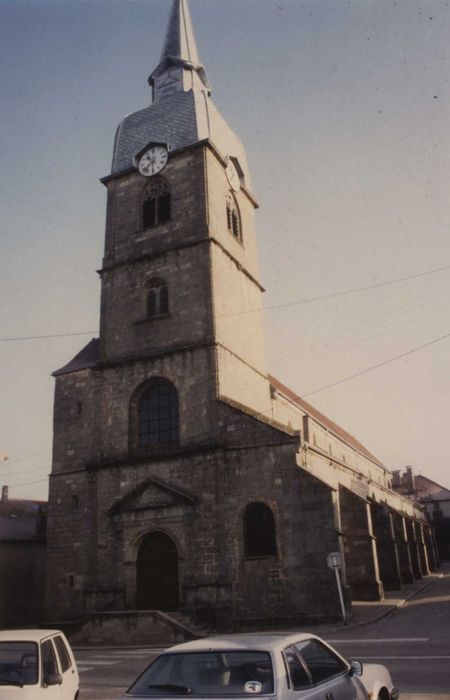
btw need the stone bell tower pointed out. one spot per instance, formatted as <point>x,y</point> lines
<point>140,417</point>
<point>180,271</point>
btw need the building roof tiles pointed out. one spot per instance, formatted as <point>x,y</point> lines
<point>324,421</point>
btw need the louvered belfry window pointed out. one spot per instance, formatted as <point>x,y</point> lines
<point>234,218</point>
<point>157,205</point>
<point>158,414</point>
<point>157,298</point>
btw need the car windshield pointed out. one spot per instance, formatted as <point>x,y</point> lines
<point>18,663</point>
<point>207,673</point>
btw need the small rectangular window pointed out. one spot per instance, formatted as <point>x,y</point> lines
<point>74,502</point>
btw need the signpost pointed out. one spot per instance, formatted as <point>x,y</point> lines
<point>334,562</point>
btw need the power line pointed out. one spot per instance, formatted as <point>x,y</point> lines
<point>362,289</point>
<point>380,364</point>
<point>307,300</point>
<point>27,483</point>
<point>316,391</point>
<point>40,337</point>
<point>24,471</point>
<point>390,318</point>
<point>23,459</point>
<point>346,292</point>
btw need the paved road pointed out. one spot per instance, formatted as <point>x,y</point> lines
<point>106,673</point>
<point>414,642</point>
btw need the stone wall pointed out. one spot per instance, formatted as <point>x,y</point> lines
<point>197,499</point>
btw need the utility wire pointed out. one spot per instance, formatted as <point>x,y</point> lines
<point>307,300</point>
<point>24,471</point>
<point>40,337</point>
<point>23,459</point>
<point>380,364</point>
<point>27,483</point>
<point>391,318</point>
<point>316,391</point>
<point>346,292</point>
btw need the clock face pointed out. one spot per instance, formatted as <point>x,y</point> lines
<point>153,160</point>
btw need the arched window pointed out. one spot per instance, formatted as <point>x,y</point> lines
<point>234,218</point>
<point>156,206</point>
<point>259,531</point>
<point>158,416</point>
<point>157,298</point>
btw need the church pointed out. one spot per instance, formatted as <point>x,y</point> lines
<point>185,478</point>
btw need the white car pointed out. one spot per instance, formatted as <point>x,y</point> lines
<point>282,666</point>
<point>37,664</point>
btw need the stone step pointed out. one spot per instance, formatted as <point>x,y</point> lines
<point>184,620</point>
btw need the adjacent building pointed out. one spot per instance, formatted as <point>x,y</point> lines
<point>185,477</point>
<point>22,560</point>
<point>433,498</point>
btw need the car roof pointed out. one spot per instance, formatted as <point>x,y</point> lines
<point>260,641</point>
<point>23,635</point>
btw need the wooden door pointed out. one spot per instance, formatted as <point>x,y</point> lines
<point>157,584</point>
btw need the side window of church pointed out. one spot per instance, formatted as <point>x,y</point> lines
<point>234,218</point>
<point>157,298</point>
<point>259,531</point>
<point>158,415</point>
<point>156,208</point>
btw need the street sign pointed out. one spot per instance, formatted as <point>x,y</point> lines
<point>334,560</point>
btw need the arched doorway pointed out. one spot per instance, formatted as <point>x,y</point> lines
<point>157,586</point>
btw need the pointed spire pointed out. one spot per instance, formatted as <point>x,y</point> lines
<point>179,64</point>
<point>180,40</point>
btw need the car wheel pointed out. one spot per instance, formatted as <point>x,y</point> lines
<point>383,694</point>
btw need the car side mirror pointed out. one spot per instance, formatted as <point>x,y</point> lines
<point>53,679</point>
<point>356,668</point>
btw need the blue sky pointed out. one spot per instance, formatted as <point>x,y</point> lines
<point>343,107</point>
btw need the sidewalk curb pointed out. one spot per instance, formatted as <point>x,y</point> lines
<point>392,608</point>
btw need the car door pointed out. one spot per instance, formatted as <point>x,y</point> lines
<point>330,674</point>
<point>67,668</point>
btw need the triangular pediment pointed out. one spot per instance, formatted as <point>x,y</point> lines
<point>153,494</point>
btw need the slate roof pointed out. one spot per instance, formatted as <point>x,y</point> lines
<point>173,121</point>
<point>427,489</point>
<point>324,421</point>
<point>21,519</point>
<point>86,358</point>
<point>179,116</point>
